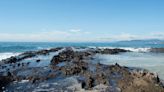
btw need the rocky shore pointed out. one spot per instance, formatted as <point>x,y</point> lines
<point>71,69</point>
<point>157,50</point>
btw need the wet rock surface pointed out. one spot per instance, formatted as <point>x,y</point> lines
<point>71,70</point>
<point>112,51</point>
<point>157,50</point>
<point>28,54</point>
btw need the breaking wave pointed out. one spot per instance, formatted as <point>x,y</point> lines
<point>126,48</point>
<point>7,55</point>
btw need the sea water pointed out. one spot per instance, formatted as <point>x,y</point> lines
<point>153,62</point>
<point>140,57</point>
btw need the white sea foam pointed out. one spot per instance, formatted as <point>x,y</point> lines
<point>24,81</point>
<point>7,55</point>
<point>137,49</point>
<point>126,48</point>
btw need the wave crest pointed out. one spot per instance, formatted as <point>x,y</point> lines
<point>7,55</point>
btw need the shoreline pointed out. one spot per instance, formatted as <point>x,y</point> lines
<point>68,62</point>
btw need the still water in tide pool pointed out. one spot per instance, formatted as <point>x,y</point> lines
<point>153,62</point>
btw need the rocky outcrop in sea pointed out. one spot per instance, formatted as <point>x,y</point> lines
<point>71,69</point>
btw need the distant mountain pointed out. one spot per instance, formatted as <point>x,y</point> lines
<point>149,41</point>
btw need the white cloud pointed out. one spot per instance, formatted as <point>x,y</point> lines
<point>127,36</point>
<point>54,36</point>
<point>75,30</point>
<point>158,34</point>
<point>42,36</point>
<point>76,35</point>
<point>124,36</point>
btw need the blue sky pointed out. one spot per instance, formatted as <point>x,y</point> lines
<point>81,20</point>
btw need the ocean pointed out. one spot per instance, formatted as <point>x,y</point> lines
<point>140,57</point>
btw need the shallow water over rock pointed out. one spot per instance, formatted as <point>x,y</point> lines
<point>73,69</point>
<point>151,61</point>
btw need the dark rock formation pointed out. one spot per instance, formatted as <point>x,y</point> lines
<point>70,55</point>
<point>113,51</point>
<point>157,50</point>
<point>38,60</point>
<point>4,81</point>
<point>69,63</point>
<point>29,54</point>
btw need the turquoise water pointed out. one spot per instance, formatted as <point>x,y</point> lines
<point>26,46</point>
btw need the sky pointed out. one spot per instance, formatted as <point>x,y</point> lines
<point>81,20</point>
